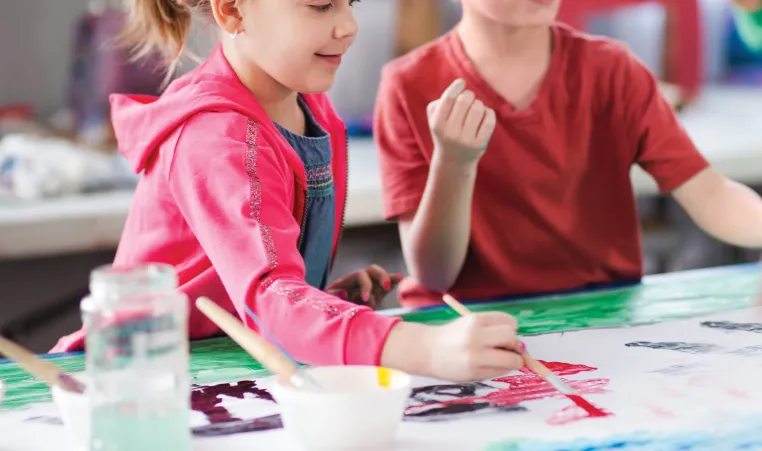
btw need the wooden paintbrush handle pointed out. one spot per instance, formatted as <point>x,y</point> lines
<point>43,370</point>
<point>250,341</point>
<point>536,367</point>
<point>454,304</point>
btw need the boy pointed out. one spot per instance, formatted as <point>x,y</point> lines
<point>548,204</point>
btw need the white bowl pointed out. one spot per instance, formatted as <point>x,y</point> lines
<point>74,409</point>
<point>352,412</point>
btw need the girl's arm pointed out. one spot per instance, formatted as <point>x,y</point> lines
<point>234,193</point>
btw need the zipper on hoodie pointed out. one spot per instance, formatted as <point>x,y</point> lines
<point>304,217</point>
<point>346,195</point>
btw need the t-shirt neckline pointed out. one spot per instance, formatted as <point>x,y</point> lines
<point>504,107</point>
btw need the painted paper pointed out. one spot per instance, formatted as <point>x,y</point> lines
<point>674,372</point>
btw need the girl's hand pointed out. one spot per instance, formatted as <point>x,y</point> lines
<point>366,286</point>
<point>471,348</point>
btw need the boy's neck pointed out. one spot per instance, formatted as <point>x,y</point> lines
<point>485,39</point>
<point>512,60</point>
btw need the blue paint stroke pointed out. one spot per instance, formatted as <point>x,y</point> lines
<point>734,436</point>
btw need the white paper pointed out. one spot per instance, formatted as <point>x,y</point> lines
<point>646,389</point>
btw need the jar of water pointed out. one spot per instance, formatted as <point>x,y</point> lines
<point>137,359</point>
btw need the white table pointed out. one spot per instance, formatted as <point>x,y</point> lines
<point>726,124</point>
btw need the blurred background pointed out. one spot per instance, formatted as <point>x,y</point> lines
<point>65,193</point>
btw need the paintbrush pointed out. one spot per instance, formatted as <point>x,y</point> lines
<point>277,361</point>
<point>45,371</point>
<point>538,368</point>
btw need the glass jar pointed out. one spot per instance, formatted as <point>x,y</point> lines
<point>136,325</point>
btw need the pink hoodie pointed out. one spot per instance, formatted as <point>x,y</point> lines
<point>222,198</point>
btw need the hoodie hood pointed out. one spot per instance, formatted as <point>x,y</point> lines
<point>142,123</point>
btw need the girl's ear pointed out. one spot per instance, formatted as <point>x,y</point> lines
<point>227,14</point>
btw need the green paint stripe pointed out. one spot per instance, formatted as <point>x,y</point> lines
<point>659,299</point>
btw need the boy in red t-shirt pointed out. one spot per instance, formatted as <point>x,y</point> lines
<point>548,205</point>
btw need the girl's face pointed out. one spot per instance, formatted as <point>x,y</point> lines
<point>516,13</point>
<point>299,43</point>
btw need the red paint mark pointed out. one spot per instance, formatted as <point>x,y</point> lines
<point>571,414</point>
<point>736,393</point>
<point>662,413</point>
<point>562,369</point>
<point>674,393</point>
<point>530,387</point>
<point>585,405</point>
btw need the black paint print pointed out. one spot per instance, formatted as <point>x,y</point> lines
<point>748,351</point>
<point>449,402</point>
<point>681,370</point>
<point>691,348</point>
<point>267,423</point>
<point>733,327</point>
<point>55,421</point>
<point>208,400</point>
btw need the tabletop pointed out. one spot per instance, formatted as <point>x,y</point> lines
<point>659,300</point>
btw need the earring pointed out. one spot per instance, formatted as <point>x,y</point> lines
<point>234,35</point>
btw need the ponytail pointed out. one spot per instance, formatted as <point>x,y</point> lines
<point>160,27</point>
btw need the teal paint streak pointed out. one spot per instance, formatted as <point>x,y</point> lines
<point>22,389</point>
<point>658,299</point>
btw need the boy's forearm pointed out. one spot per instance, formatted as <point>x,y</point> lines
<point>727,210</point>
<point>734,215</point>
<point>437,241</point>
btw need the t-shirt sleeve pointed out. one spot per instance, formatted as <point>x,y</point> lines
<point>663,147</point>
<point>404,168</point>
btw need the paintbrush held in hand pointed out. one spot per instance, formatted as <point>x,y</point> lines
<point>45,371</point>
<point>539,369</point>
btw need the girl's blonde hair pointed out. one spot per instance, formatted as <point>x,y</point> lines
<point>162,27</point>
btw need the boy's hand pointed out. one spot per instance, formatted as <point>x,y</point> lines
<point>460,124</point>
<point>748,5</point>
<point>366,286</point>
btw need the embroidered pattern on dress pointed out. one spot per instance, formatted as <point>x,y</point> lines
<point>319,179</point>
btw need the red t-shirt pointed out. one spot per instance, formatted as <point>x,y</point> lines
<point>553,206</point>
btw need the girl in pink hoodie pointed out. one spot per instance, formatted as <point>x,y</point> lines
<point>244,165</point>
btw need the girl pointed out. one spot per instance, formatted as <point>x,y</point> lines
<point>748,15</point>
<point>548,205</point>
<point>244,183</point>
